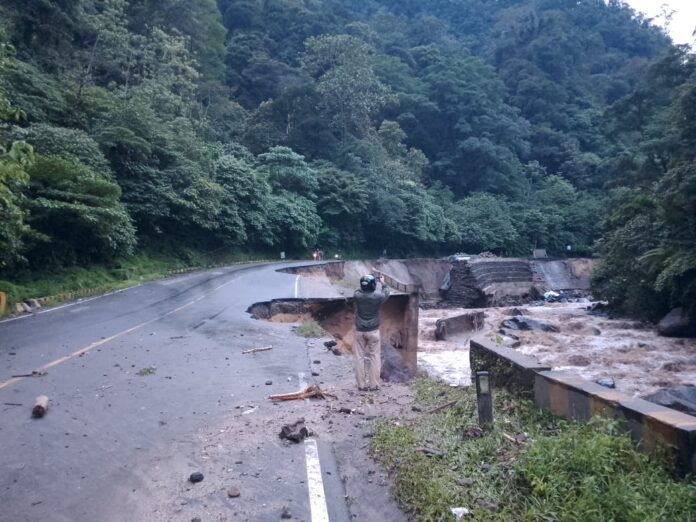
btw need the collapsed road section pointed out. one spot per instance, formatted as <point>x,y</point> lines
<point>539,308</point>
<point>335,316</point>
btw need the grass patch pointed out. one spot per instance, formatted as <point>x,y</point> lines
<point>528,466</point>
<point>99,278</point>
<point>310,328</point>
<point>144,372</point>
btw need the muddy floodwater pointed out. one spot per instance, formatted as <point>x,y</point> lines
<point>640,361</point>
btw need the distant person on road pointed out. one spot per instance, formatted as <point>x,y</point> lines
<point>367,350</point>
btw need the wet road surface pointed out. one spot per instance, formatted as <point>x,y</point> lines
<point>134,378</point>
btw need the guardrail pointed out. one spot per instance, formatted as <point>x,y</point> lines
<point>407,288</point>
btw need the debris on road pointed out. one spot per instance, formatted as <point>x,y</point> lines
<point>35,373</point>
<point>196,476</point>
<point>295,432</point>
<point>144,372</point>
<point>268,383</point>
<point>310,392</point>
<point>233,492</point>
<point>40,407</point>
<point>256,350</point>
<point>285,514</point>
<point>12,404</point>
<point>333,347</point>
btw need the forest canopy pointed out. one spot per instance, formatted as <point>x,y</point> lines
<point>420,127</point>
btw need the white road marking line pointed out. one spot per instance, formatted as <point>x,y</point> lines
<point>92,346</point>
<point>315,483</point>
<point>297,287</point>
<point>317,498</point>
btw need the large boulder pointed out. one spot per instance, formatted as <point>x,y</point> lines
<point>520,322</point>
<point>682,399</point>
<point>677,323</point>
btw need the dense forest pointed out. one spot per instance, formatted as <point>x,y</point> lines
<point>420,127</point>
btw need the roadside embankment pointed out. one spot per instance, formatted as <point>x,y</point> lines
<point>528,465</point>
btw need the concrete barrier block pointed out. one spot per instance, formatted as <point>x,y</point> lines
<point>651,425</point>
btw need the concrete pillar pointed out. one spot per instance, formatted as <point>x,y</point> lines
<point>411,332</point>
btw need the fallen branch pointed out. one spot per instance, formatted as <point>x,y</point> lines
<point>310,392</point>
<point>443,407</point>
<point>510,438</point>
<point>256,350</point>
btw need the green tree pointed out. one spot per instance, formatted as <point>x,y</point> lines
<point>289,171</point>
<point>351,92</point>
<point>77,213</point>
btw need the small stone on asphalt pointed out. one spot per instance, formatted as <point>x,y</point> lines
<point>286,513</point>
<point>196,477</point>
<point>268,383</point>
<point>233,492</point>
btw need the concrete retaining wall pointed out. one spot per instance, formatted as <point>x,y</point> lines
<point>458,324</point>
<point>508,368</point>
<point>398,328</point>
<point>573,397</point>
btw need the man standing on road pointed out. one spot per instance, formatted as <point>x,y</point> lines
<point>366,348</point>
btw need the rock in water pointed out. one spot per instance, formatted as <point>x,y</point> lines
<point>677,323</point>
<point>607,382</point>
<point>520,322</point>
<point>681,399</point>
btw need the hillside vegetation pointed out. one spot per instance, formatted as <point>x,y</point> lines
<point>413,126</point>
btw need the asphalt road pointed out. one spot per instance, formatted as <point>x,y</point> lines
<point>135,378</point>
